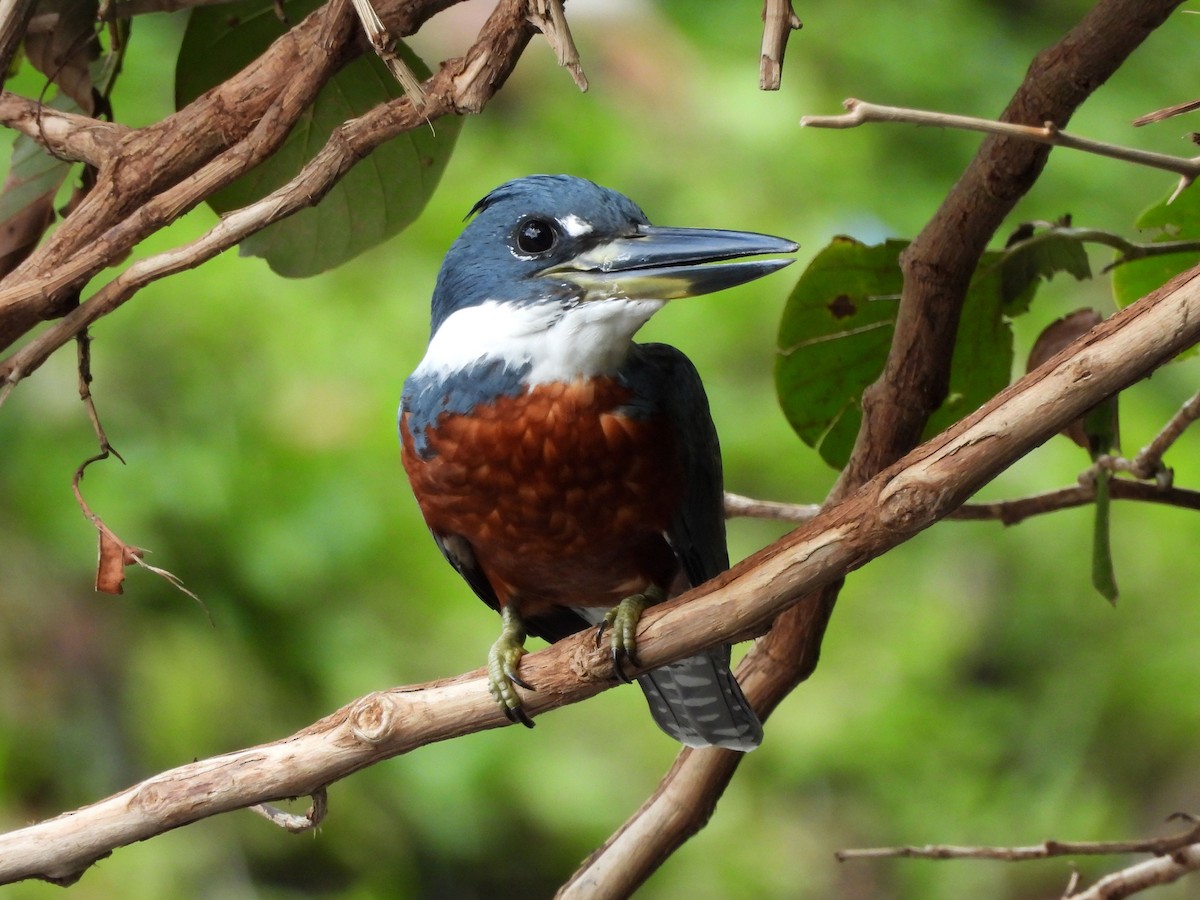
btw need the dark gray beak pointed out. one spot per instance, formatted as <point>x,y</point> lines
<point>668,263</point>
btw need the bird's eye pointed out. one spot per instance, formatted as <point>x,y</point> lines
<point>536,236</point>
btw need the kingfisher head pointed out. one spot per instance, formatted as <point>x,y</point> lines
<point>555,274</point>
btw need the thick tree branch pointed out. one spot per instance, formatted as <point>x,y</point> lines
<point>937,269</point>
<point>145,163</point>
<point>465,83</point>
<point>903,500</point>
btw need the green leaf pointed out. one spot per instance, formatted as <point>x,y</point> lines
<point>1176,221</point>
<point>983,350</point>
<point>1104,576</point>
<point>1041,256</point>
<point>377,199</point>
<point>834,339</point>
<point>837,328</point>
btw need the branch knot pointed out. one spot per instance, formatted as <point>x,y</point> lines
<point>371,718</point>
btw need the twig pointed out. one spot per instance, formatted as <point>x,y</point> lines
<point>737,505</point>
<point>779,21</point>
<point>1008,512</point>
<point>1129,250</point>
<point>1166,112</point>
<point>385,47</point>
<point>292,822</point>
<point>1157,846</point>
<point>1139,877</point>
<point>67,135</point>
<point>547,17</point>
<point>114,555</point>
<point>1148,463</point>
<point>861,112</point>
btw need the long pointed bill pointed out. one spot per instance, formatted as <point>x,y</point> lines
<point>669,263</point>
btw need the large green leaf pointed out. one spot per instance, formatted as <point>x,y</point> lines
<point>1169,221</point>
<point>837,327</point>
<point>833,341</point>
<point>983,349</point>
<point>378,198</point>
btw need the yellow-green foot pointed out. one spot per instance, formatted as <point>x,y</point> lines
<point>622,619</point>
<point>503,660</point>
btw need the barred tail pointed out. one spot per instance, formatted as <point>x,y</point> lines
<point>698,702</point>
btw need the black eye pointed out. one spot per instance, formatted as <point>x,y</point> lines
<point>536,236</point>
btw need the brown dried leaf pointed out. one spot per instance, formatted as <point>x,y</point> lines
<point>1055,337</point>
<point>110,569</point>
<point>62,43</point>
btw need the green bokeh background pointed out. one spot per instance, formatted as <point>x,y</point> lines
<point>972,689</point>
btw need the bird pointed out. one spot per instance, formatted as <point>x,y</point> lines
<point>571,475</point>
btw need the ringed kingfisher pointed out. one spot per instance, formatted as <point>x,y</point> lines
<point>570,475</point>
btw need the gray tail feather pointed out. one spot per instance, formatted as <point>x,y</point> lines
<point>698,702</point>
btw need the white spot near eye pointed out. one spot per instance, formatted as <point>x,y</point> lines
<point>575,226</point>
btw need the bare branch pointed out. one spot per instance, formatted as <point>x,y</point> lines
<point>1177,856</point>
<point>1157,846</point>
<point>66,135</point>
<point>861,113</point>
<point>547,17</point>
<point>466,83</point>
<point>1148,463</point>
<point>1010,512</point>
<point>385,47</point>
<point>736,505</point>
<point>290,821</point>
<point>779,21</point>
<point>903,500</point>
<point>937,268</point>
<point>1148,874</point>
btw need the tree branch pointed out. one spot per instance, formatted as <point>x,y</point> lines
<point>779,21</point>
<point>903,500</point>
<point>937,269</point>
<point>1008,512</point>
<point>861,113</point>
<point>465,83</point>
<point>1178,855</point>
<point>1044,850</point>
<point>135,171</point>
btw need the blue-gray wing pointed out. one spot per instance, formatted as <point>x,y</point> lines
<point>697,700</point>
<point>697,532</point>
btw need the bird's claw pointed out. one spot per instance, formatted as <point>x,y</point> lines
<point>503,660</point>
<point>623,619</point>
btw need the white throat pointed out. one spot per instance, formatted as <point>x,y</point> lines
<point>558,344</point>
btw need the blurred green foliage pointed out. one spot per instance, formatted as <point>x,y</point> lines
<point>972,688</point>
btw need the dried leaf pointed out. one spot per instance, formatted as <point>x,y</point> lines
<point>1057,336</point>
<point>110,570</point>
<point>64,46</point>
<point>27,198</point>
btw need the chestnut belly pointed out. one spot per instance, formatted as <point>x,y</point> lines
<point>563,494</point>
